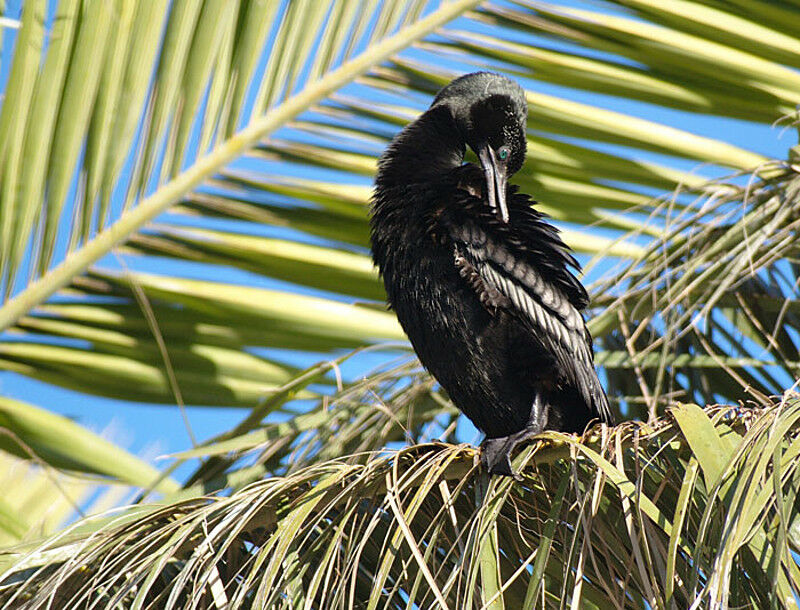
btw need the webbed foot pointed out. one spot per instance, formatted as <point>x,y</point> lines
<point>496,456</point>
<point>496,452</point>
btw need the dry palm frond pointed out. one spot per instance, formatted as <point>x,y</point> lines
<point>710,311</point>
<point>699,507</point>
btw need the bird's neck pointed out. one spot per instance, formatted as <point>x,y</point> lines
<point>407,192</point>
<point>424,152</point>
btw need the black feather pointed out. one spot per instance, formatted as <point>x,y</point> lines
<point>491,307</point>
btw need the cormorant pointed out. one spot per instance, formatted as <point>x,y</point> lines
<point>480,282</point>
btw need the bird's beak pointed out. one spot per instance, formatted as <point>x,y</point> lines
<point>495,181</point>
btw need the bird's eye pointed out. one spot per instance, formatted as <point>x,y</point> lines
<point>503,152</point>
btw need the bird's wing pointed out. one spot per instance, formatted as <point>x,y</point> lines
<point>505,280</point>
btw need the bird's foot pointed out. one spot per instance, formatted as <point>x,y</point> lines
<point>496,452</point>
<point>496,456</point>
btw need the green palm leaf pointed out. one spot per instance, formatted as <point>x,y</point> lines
<point>180,111</point>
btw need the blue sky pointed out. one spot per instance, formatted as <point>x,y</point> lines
<point>155,430</point>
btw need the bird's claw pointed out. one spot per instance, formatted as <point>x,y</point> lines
<point>496,457</point>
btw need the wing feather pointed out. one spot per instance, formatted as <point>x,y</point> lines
<point>508,281</point>
<point>523,267</point>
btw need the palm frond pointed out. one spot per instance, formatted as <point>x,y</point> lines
<point>221,115</point>
<point>44,437</point>
<point>718,290</point>
<point>260,144</point>
<point>697,508</point>
<point>39,500</point>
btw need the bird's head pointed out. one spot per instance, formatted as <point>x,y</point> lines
<point>490,112</point>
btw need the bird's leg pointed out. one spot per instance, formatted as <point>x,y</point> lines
<point>496,452</point>
<point>538,417</point>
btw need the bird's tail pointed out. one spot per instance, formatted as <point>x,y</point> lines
<point>593,393</point>
<point>587,400</point>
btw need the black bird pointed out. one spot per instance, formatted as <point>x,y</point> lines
<point>480,282</point>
